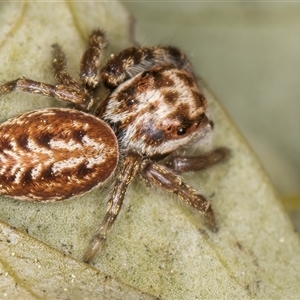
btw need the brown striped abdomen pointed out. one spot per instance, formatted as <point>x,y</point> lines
<point>54,154</point>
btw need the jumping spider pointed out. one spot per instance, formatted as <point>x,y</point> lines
<point>153,108</point>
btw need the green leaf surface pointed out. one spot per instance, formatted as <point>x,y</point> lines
<point>158,246</point>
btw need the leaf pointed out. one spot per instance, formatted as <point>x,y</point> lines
<point>158,246</point>
<point>33,270</point>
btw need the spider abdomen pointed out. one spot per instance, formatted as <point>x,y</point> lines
<point>54,154</point>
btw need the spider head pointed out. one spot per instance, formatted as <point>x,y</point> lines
<point>157,111</point>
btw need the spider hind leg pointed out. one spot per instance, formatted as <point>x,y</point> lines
<point>160,176</point>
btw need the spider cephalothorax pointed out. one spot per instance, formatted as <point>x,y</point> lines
<point>153,108</point>
<point>157,111</point>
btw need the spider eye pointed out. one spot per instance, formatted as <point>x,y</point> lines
<point>181,131</point>
<point>130,102</point>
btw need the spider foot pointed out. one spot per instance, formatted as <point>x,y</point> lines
<point>94,247</point>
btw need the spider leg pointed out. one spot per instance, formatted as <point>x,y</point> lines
<point>160,176</point>
<point>134,60</point>
<point>130,167</point>
<point>61,92</point>
<point>89,67</point>
<point>67,89</point>
<point>59,63</point>
<point>28,85</point>
<point>182,164</point>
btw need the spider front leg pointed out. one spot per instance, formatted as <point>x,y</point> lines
<point>182,164</point>
<point>89,67</point>
<point>131,166</point>
<point>160,176</point>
